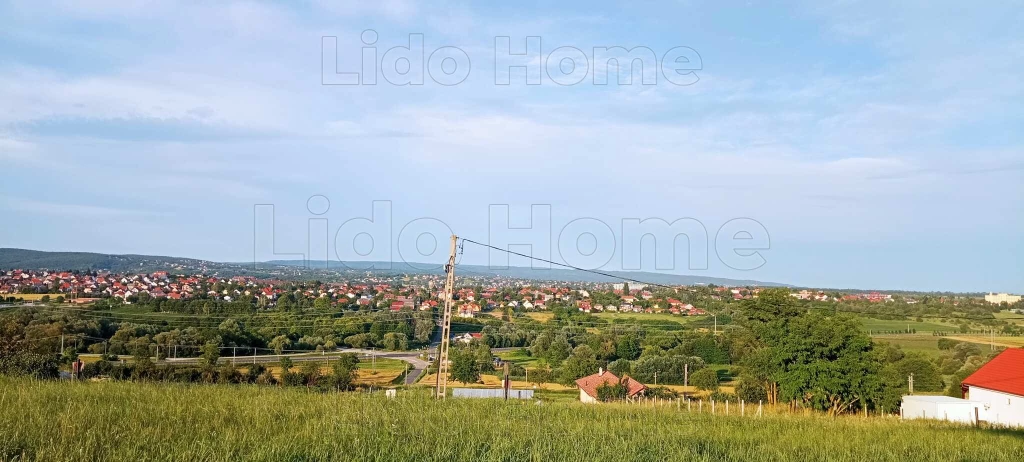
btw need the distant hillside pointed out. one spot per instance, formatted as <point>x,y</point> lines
<point>84,261</point>
<point>553,274</point>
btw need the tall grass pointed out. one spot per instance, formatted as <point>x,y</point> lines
<point>133,421</point>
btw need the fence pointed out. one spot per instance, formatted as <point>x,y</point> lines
<point>491,393</point>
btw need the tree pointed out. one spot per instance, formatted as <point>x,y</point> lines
<point>541,376</point>
<point>705,379</point>
<point>310,373</point>
<point>628,347</point>
<point>926,375</point>
<point>280,343</point>
<point>210,355</point>
<point>343,372</point>
<point>582,363</point>
<point>464,367</point>
<point>559,350</point>
<point>620,367</point>
<point>395,341</point>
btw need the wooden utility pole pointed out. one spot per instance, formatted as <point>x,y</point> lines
<point>446,322</point>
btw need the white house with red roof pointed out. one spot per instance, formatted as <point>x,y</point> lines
<point>999,387</point>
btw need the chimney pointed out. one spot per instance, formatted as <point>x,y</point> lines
<point>600,371</point>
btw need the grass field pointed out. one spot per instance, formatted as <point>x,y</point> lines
<point>916,343</point>
<point>385,372</point>
<point>131,421</point>
<point>492,381</point>
<point>30,297</point>
<point>928,326</point>
<point>644,316</point>
<point>1010,317</point>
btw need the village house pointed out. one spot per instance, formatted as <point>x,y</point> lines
<point>588,385</point>
<point>999,387</point>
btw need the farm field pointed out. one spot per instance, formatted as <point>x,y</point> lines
<point>386,371</point>
<point>492,381</point>
<point>1011,317</point>
<point>927,326</point>
<point>1009,342</point>
<point>929,344</point>
<point>30,297</point>
<point>142,421</point>
<point>542,316</point>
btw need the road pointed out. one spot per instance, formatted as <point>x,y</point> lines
<point>419,366</point>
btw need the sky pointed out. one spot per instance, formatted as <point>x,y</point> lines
<point>852,144</point>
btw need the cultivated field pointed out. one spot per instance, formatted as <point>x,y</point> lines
<point>132,421</point>
<point>927,326</point>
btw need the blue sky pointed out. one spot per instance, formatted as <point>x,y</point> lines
<point>878,145</point>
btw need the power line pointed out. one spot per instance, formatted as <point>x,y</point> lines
<point>565,265</point>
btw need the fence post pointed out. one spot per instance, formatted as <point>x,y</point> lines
<point>759,408</point>
<point>727,408</point>
<point>677,404</point>
<point>712,407</point>
<point>743,408</point>
<point>700,408</point>
<point>687,404</point>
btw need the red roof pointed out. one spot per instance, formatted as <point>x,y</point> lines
<point>1003,373</point>
<point>590,383</point>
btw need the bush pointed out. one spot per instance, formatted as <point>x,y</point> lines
<point>751,391</point>
<point>705,379</point>
<point>36,365</point>
<point>722,396</point>
<point>947,344</point>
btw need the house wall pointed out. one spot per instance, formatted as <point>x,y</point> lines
<point>959,411</point>
<point>585,398</point>
<point>998,407</point>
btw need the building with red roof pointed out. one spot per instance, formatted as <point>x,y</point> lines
<point>999,386</point>
<point>588,385</point>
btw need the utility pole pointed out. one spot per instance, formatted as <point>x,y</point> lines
<point>911,382</point>
<point>716,323</point>
<point>446,323</point>
<point>686,375</point>
<point>655,378</point>
<point>507,382</point>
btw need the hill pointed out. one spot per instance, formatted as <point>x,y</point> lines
<point>146,421</point>
<point>552,274</point>
<point>84,261</point>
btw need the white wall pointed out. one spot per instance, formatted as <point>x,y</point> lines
<point>954,411</point>
<point>585,398</point>
<point>998,407</point>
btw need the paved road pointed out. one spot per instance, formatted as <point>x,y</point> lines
<point>419,366</point>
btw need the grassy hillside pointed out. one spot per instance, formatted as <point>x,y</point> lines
<point>126,421</point>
